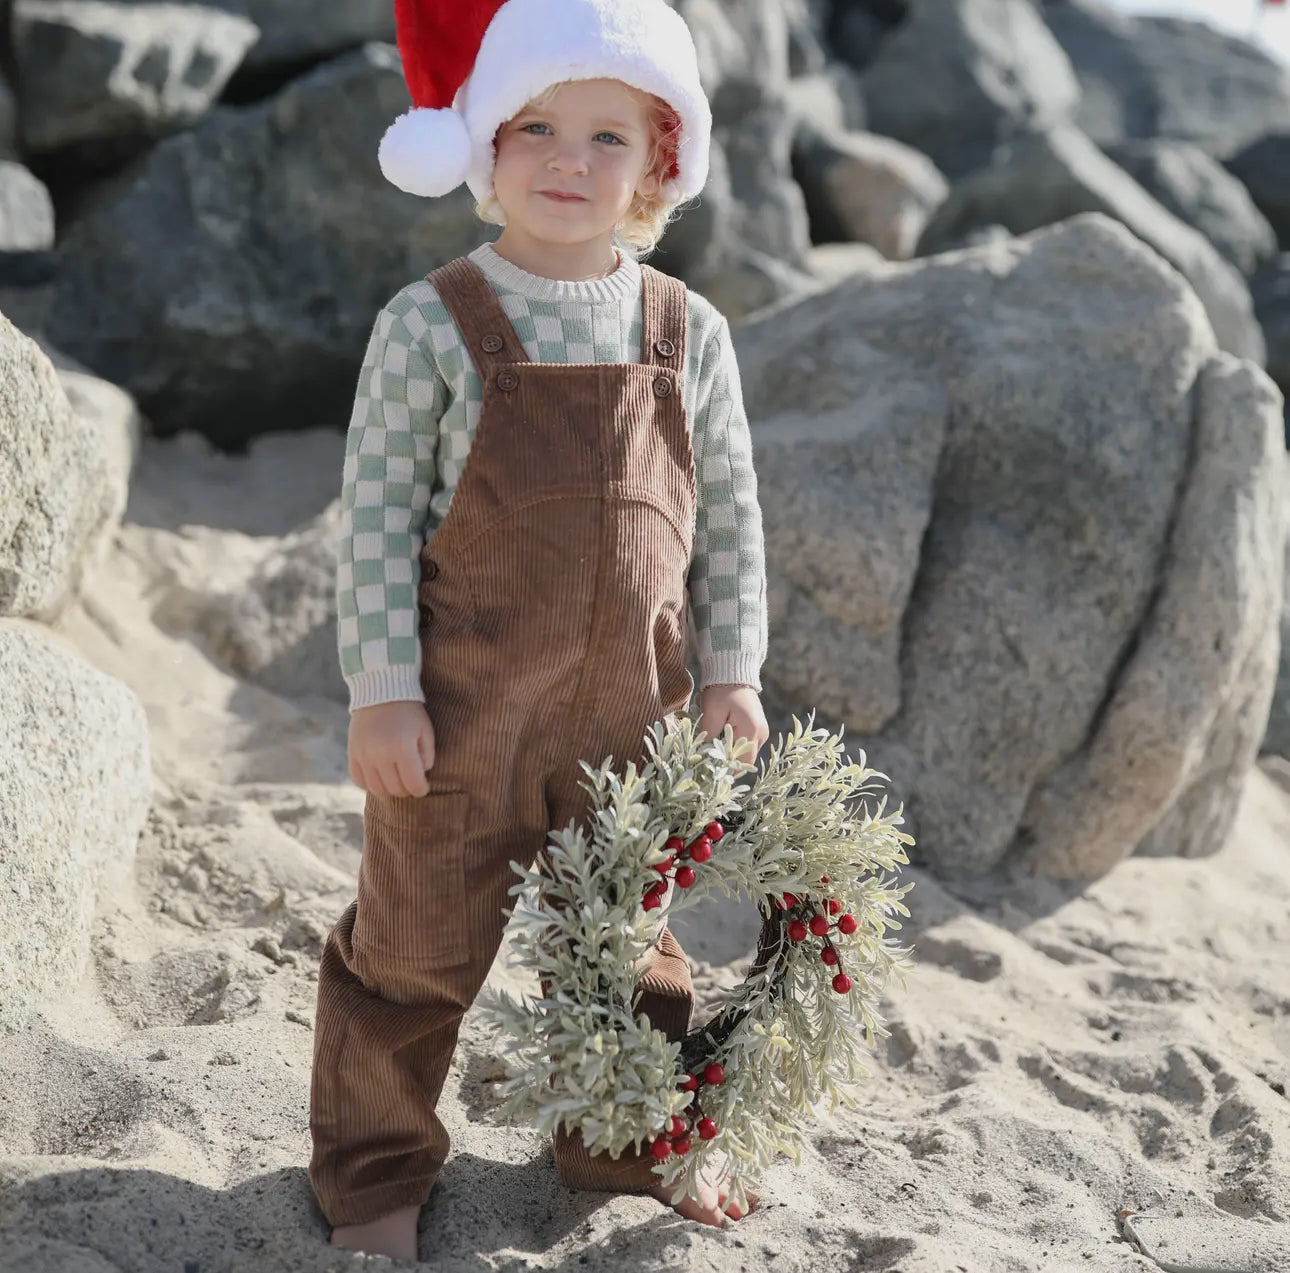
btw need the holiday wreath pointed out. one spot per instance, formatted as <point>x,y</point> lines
<point>786,1039</point>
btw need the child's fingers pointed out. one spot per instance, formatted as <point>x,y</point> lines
<point>425,745</point>
<point>409,776</point>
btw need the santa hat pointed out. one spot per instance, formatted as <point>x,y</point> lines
<point>471,65</point>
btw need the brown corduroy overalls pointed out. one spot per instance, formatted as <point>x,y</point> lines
<point>553,629</point>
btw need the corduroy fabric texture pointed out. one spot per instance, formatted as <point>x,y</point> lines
<point>552,630</point>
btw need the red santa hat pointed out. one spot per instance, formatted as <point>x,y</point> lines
<point>471,65</point>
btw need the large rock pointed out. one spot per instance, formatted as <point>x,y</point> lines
<point>1050,176</point>
<point>743,48</point>
<point>1264,168</point>
<point>862,188</point>
<point>1270,288</point>
<point>121,74</point>
<point>960,76</point>
<point>291,37</point>
<point>8,110</point>
<point>282,240</point>
<point>1188,709</point>
<point>26,211</point>
<point>1011,537</point>
<point>75,785</point>
<point>1162,77</point>
<point>1197,189</point>
<point>61,489</point>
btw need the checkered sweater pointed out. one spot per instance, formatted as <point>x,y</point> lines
<point>418,404</point>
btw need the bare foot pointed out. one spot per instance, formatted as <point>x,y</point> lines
<point>711,1206</point>
<point>394,1235</point>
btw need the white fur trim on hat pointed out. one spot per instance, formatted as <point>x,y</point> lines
<point>426,152</point>
<point>532,44</point>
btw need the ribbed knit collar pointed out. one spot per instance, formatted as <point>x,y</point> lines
<point>622,285</point>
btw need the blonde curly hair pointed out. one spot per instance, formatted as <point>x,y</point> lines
<point>641,228</point>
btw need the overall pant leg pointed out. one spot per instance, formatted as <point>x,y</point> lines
<point>398,972</point>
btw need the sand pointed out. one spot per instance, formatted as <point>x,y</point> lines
<point>1058,1056</point>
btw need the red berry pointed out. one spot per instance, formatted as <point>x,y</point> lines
<point>714,1074</point>
<point>824,879</point>
<point>677,1126</point>
<point>661,1148</point>
<point>841,983</point>
<point>714,831</point>
<point>685,877</point>
<point>666,864</point>
<point>790,899</point>
<point>701,849</point>
<point>681,1146</point>
<point>691,1083</point>
<point>797,930</point>
<point>847,924</point>
<point>819,925</point>
<point>707,1128</point>
<point>674,844</point>
<point>652,901</point>
<point>829,955</point>
<point>834,906</point>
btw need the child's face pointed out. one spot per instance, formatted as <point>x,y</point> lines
<point>591,139</point>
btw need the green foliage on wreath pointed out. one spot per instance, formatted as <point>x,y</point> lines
<point>786,1040</point>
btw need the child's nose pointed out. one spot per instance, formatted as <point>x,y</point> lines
<point>567,158</point>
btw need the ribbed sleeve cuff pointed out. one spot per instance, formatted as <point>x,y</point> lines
<point>384,685</point>
<point>738,667</point>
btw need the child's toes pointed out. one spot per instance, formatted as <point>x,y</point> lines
<point>736,1212</point>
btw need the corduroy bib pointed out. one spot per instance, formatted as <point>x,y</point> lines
<point>552,606</point>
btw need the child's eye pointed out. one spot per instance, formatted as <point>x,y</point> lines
<point>618,141</point>
<point>535,124</point>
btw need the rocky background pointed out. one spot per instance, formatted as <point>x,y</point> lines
<point>1012,290</point>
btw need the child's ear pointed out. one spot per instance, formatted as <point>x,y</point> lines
<point>648,185</point>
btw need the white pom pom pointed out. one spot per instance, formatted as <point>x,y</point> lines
<point>426,152</point>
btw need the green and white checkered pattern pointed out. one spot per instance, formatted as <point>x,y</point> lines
<point>415,414</point>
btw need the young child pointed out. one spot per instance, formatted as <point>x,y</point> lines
<point>548,468</point>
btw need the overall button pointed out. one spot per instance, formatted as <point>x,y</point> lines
<point>429,569</point>
<point>507,381</point>
<point>662,387</point>
<point>664,348</point>
<point>491,344</point>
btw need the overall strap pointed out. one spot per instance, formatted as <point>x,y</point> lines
<point>470,299</point>
<point>665,311</point>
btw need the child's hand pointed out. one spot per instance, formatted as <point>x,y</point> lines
<point>391,745</point>
<point>738,706</point>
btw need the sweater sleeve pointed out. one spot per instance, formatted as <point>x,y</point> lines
<point>385,496</point>
<point>727,576</point>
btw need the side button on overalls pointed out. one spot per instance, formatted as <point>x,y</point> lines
<point>552,606</point>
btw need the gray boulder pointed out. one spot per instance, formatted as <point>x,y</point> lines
<point>104,72</point>
<point>1263,168</point>
<point>1197,189</point>
<point>744,66</point>
<point>281,241</point>
<point>1047,177</point>
<point>1164,77</point>
<point>26,211</point>
<point>960,76</point>
<point>75,785</point>
<point>1012,537</point>
<point>1270,288</point>
<point>61,489</point>
<point>863,188</point>
<point>831,101</point>
<point>8,110</point>
<point>290,37</point>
